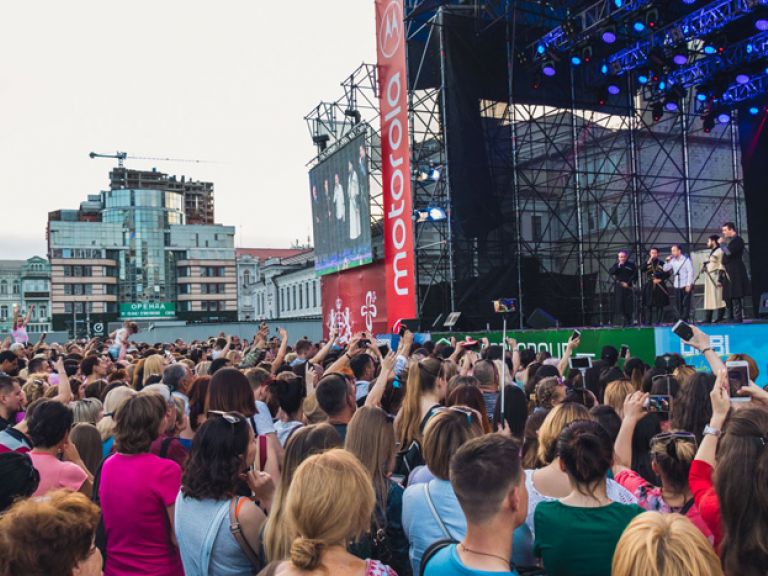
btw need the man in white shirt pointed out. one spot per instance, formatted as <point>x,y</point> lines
<point>681,269</point>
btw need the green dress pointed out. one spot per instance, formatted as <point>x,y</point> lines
<point>579,541</point>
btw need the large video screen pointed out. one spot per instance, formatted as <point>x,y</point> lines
<point>340,191</point>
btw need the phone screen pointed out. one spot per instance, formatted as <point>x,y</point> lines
<point>683,330</point>
<point>575,334</point>
<point>659,403</point>
<point>579,362</point>
<point>623,351</point>
<point>738,377</point>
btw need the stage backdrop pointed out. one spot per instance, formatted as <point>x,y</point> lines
<point>340,193</point>
<point>354,300</point>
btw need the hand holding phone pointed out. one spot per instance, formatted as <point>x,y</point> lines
<point>738,378</point>
<point>683,330</point>
<point>659,403</point>
<point>624,352</point>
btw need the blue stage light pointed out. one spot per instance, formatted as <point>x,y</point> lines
<point>662,85</point>
<point>643,79</point>
<point>750,48</point>
<point>604,69</point>
<point>540,49</point>
<point>724,118</point>
<point>609,36</point>
<point>575,60</point>
<point>754,110</point>
<point>613,89</point>
<point>709,49</point>
<point>549,69</point>
<point>436,214</point>
<point>689,1</point>
<point>680,59</point>
<point>701,97</point>
<point>742,78</point>
<point>761,24</point>
<point>671,106</point>
<point>638,26</point>
<point>618,3</point>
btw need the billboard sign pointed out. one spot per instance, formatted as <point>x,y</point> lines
<point>139,310</point>
<point>395,154</point>
<point>353,301</point>
<point>341,215</point>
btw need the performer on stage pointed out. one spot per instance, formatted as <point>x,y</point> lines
<point>655,294</point>
<point>353,190</point>
<point>736,285</point>
<point>623,272</point>
<point>713,272</point>
<point>679,265</point>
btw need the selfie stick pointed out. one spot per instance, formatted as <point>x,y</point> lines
<point>503,366</point>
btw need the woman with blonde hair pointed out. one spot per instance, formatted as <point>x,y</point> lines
<point>307,441</point>
<point>106,426</point>
<point>324,523</point>
<point>615,394</point>
<point>153,366</point>
<point>371,438</point>
<point>88,410</point>
<point>656,544</point>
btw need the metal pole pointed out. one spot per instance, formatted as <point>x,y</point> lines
<point>636,204</point>
<point>446,167</point>
<point>577,191</point>
<point>87,318</point>
<point>686,181</point>
<point>735,168</point>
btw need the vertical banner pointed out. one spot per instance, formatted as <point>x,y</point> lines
<point>353,301</point>
<point>396,162</point>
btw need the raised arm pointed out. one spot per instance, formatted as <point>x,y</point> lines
<point>278,361</point>
<point>633,413</point>
<point>322,354</point>
<point>569,348</point>
<point>721,404</point>
<point>387,367</point>
<point>700,342</point>
<point>65,388</point>
<point>512,344</point>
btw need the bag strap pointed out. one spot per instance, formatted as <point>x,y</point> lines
<point>431,550</point>
<point>433,510</point>
<point>262,452</point>
<point>687,507</point>
<point>210,534</point>
<point>164,446</point>
<point>234,527</point>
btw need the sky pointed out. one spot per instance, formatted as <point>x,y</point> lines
<point>228,82</point>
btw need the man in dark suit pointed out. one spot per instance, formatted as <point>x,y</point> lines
<point>623,273</point>
<point>736,285</point>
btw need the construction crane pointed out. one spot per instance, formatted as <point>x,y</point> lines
<point>123,156</point>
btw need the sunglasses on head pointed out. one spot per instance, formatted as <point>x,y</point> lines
<point>231,417</point>
<point>670,437</point>
<point>468,412</point>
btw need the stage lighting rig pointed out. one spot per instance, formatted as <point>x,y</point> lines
<point>321,141</point>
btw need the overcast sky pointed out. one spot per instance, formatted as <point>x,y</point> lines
<point>228,81</point>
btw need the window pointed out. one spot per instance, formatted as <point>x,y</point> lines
<point>246,278</point>
<point>214,306</point>
<point>212,288</point>
<point>536,228</point>
<point>211,271</point>
<point>15,286</point>
<point>68,307</point>
<point>294,298</point>
<point>314,293</point>
<point>4,287</point>
<point>301,297</point>
<point>43,312</point>
<point>3,312</point>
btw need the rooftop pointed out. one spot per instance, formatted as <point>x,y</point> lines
<point>267,253</point>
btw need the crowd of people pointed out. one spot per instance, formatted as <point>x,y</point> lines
<point>230,458</point>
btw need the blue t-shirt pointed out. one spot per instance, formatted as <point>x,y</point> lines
<point>447,561</point>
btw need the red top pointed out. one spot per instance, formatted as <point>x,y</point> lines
<point>700,482</point>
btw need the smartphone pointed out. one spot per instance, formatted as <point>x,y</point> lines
<point>580,362</point>
<point>683,330</point>
<point>623,351</point>
<point>403,330</point>
<point>659,403</point>
<point>505,305</point>
<point>363,344</point>
<point>738,377</point>
<point>575,334</point>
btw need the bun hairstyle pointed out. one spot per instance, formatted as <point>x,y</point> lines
<point>586,451</point>
<point>322,519</point>
<point>673,456</point>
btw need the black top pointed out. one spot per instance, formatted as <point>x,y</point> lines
<point>624,272</point>
<point>654,268</point>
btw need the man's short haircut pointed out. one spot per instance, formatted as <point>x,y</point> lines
<point>483,471</point>
<point>486,373</point>
<point>623,251</point>
<point>678,246</point>
<point>258,377</point>
<point>217,365</point>
<point>729,225</point>
<point>88,364</point>
<point>173,375</point>
<point>49,424</point>
<point>220,343</point>
<point>359,364</point>
<point>331,393</point>
<point>36,365</point>
<point>653,248</point>
<point>290,392</point>
<point>714,237</point>
<point>6,384</point>
<point>7,356</point>
<point>303,346</point>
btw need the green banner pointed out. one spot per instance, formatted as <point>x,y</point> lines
<point>641,341</point>
<point>136,310</point>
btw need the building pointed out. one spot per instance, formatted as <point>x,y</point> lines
<point>140,253</point>
<point>275,284</point>
<point>24,283</point>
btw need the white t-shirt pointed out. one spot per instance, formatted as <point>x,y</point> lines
<point>263,419</point>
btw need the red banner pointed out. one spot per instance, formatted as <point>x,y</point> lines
<point>353,301</point>
<point>396,164</point>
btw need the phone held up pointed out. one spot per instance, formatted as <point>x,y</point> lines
<point>683,330</point>
<point>738,378</point>
<point>580,362</point>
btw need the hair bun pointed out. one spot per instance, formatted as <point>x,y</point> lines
<point>305,553</point>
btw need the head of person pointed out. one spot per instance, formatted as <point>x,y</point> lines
<point>671,457</point>
<point>322,519</point>
<point>459,380</point>
<point>486,476</point>
<point>609,356</point>
<point>112,401</point>
<point>445,432</point>
<point>230,391</point>
<point>51,536</point>
<point>622,256</point>
<point>178,377</point>
<point>653,252</point>
<point>470,396</point>
<point>336,396</point>
<point>615,394</point>
<point>363,367</point>
<point>290,391</point>
<point>9,363</point>
<point>713,241</point>
<point>371,438</point>
<point>728,229</point>
<point>87,440</point>
<point>655,543</point>
<point>20,478</point>
<point>218,364</point>
<point>608,419</point>
<point>740,481</point>
<point>88,410</point>
<point>303,443</point>
<point>259,380</point>
<point>646,428</point>
<point>676,250</point>
<point>515,410</point>
<point>38,365</point>
<point>550,392</point>
<point>554,423</point>
<point>93,366</point>
<point>222,450</point>
<point>303,348</point>
<point>153,366</point>
<point>487,375</point>
<point>586,454</point>
<point>139,421</point>
<point>49,425</point>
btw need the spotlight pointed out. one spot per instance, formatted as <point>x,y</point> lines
<point>321,141</point>
<point>618,3</point>
<point>724,118</point>
<point>754,110</point>
<point>548,68</point>
<point>609,35</point>
<point>436,214</point>
<point>742,78</point>
<point>689,2</point>
<point>354,114</point>
<point>701,97</point>
<point>604,69</point>
<point>638,26</point>
<point>662,85</point>
<point>422,174</point>
<point>671,104</point>
<point>643,79</point>
<point>575,60</point>
<point>652,18</point>
<point>613,89</point>
<point>709,49</point>
<point>761,24</point>
<point>434,173</point>
<point>586,54</point>
<point>680,58</point>
<point>657,110</point>
<point>540,49</point>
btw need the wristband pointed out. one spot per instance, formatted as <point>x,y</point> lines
<point>707,349</point>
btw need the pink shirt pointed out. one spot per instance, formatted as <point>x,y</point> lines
<point>55,474</point>
<point>20,335</point>
<point>135,491</point>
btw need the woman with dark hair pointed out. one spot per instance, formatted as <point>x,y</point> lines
<point>49,429</point>
<point>515,410</point>
<point>137,492</point>
<point>692,408</point>
<point>198,391</point>
<point>20,479</point>
<point>646,428</point>
<point>470,396</point>
<point>576,535</point>
<point>207,507</point>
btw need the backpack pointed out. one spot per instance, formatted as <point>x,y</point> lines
<point>435,547</point>
<point>410,458</point>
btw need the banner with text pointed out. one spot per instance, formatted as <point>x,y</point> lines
<point>395,159</point>
<point>354,302</point>
<point>136,310</point>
